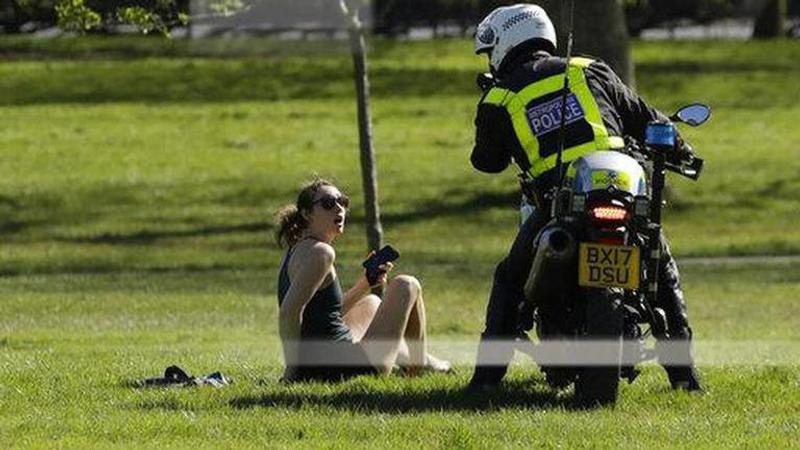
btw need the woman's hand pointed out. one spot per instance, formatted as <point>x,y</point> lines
<point>382,278</point>
<point>384,274</point>
<point>362,286</point>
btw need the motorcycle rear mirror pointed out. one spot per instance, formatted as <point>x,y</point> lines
<point>693,115</point>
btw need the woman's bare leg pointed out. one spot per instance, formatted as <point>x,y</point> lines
<point>392,324</point>
<point>416,337</point>
<point>417,330</point>
<point>360,315</point>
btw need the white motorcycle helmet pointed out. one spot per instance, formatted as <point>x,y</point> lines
<point>509,26</point>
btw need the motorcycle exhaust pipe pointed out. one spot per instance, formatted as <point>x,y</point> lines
<point>556,246</point>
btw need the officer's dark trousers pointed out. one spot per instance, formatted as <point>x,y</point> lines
<point>502,313</point>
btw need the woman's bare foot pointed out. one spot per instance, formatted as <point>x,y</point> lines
<point>437,365</point>
<point>432,365</point>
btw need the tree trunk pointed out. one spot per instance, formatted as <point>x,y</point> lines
<point>369,175</point>
<point>769,24</point>
<point>599,31</point>
<point>16,18</point>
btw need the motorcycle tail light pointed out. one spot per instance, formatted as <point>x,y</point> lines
<point>609,213</point>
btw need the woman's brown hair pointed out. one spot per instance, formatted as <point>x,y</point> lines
<point>290,220</point>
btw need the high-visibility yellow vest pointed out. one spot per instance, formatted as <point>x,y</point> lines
<point>532,117</point>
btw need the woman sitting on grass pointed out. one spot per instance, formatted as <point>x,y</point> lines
<point>329,335</point>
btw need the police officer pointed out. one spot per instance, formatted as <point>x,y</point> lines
<point>518,120</point>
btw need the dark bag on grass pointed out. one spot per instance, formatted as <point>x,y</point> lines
<point>175,376</point>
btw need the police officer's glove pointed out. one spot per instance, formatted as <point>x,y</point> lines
<point>683,151</point>
<point>485,81</point>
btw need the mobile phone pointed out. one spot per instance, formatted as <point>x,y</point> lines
<point>373,263</point>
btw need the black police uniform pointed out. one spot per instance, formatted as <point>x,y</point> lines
<point>496,146</point>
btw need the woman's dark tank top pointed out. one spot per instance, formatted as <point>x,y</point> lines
<point>322,316</point>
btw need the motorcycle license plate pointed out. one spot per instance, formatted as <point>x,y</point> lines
<point>608,266</point>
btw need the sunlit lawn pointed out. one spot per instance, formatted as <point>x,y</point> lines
<point>135,213</point>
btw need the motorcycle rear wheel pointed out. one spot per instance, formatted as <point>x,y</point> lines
<point>598,385</point>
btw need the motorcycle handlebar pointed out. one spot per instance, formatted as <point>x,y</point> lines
<point>683,163</point>
<point>689,170</point>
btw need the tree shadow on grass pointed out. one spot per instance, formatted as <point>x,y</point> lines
<point>713,67</point>
<point>104,268</point>
<point>465,207</point>
<point>148,236</point>
<point>424,211</point>
<point>516,394</point>
<point>159,81</point>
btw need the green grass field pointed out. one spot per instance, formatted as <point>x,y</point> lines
<point>136,200</point>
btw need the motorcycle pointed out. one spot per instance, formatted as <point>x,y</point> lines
<point>593,283</point>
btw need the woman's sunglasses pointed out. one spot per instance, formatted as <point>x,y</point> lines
<point>329,202</point>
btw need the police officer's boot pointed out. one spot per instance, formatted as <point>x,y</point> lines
<point>675,354</point>
<point>493,358</point>
<point>675,349</point>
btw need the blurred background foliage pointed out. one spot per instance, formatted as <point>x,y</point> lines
<point>395,17</point>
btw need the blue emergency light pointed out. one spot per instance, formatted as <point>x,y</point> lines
<point>660,134</point>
